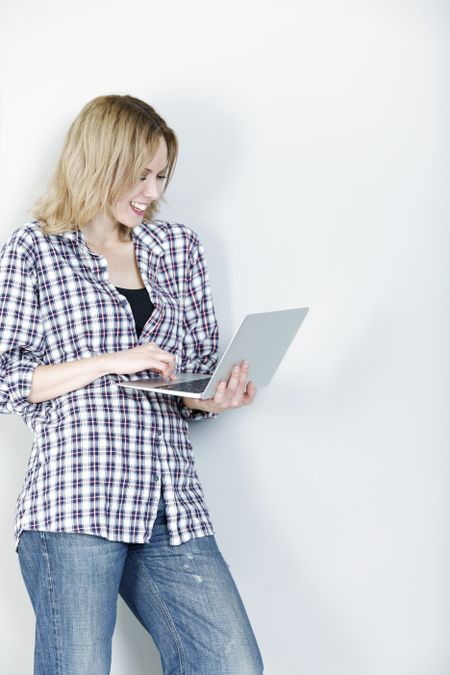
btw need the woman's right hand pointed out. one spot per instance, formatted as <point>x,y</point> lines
<point>142,357</point>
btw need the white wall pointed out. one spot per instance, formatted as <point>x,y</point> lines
<point>315,166</point>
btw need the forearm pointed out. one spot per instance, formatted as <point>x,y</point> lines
<point>55,380</point>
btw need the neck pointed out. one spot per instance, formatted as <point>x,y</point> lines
<point>103,232</point>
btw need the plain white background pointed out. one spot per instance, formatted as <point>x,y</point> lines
<point>314,164</point>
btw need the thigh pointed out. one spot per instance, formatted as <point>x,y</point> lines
<point>73,581</point>
<point>188,601</point>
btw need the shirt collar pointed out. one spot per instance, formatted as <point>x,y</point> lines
<point>151,234</point>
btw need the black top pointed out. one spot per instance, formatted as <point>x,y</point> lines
<point>140,303</point>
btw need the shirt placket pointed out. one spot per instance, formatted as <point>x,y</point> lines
<point>148,263</point>
<point>160,473</point>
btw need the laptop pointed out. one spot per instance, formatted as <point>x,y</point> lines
<point>262,339</point>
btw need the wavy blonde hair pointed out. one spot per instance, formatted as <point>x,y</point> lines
<point>104,153</point>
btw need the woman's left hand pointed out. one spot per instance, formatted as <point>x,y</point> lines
<point>232,394</point>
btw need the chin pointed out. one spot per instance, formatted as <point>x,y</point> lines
<point>132,222</point>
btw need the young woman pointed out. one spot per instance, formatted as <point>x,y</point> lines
<point>95,291</point>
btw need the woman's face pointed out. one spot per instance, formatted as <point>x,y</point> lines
<point>129,209</point>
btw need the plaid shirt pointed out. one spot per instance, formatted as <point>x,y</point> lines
<point>102,454</point>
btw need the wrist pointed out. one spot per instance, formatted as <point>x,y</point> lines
<point>103,364</point>
<point>193,403</point>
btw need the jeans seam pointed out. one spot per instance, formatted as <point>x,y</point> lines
<point>54,606</point>
<point>154,588</point>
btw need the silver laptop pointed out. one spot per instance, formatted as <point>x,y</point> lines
<point>262,339</point>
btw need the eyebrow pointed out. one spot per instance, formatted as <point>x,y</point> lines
<point>160,171</point>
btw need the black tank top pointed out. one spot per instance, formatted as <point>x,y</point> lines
<point>140,303</point>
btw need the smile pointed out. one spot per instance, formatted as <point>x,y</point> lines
<point>138,207</point>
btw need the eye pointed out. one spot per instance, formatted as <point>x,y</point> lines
<point>159,177</point>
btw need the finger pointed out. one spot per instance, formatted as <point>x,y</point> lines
<point>237,395</point>
<point>161,368</point>
<point>243,374</point>
<point>237,399</point>
<point>166,369</point>
<point>234,379</point>
<point>250,393</point>
<point>168,363</point>
<point>219,396</point>
<point>171,366</point>
<point>167,358</point>
<point>171,377</point>
<point>160,353</point>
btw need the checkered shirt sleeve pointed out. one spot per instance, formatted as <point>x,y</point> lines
<point>21,331</point>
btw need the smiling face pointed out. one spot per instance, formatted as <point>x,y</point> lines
<point>129,209</point>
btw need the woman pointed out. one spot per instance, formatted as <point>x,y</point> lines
<point>93,292</point>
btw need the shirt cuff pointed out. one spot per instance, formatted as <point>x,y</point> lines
<point>191,414</point>
<point>19,379</point>
<point>15,388</point>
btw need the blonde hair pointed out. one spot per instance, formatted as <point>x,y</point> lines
<point>105,151</point>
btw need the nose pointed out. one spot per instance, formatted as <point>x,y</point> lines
<point>151,188</point>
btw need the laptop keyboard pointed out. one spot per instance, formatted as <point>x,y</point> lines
<point>195,387</point>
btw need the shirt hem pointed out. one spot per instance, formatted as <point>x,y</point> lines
<point>174,540</point>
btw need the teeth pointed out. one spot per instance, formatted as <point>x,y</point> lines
<point>139,206</point>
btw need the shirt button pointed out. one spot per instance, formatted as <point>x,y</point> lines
<point>156,477</point>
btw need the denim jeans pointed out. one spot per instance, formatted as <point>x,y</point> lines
<point>184,596</point>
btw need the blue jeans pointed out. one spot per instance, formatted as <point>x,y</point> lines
<point>184,596</point>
